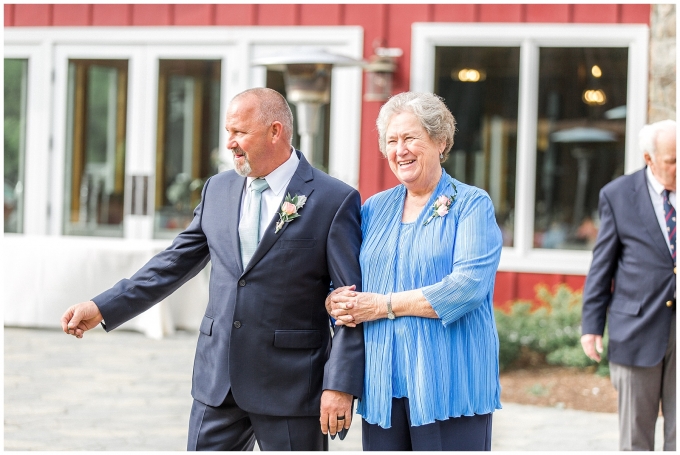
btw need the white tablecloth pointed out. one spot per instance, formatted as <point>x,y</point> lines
<point>44,275</point>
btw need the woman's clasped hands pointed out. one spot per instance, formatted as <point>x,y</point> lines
<point>349,307</point>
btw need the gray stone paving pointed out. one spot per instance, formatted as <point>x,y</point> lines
<point>124,391</point>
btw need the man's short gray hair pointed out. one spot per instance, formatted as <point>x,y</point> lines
<point>649,133</point>
<point>272,107</point>
<point>430,111</point>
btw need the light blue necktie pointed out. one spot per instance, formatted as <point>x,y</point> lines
<point>249,227</point>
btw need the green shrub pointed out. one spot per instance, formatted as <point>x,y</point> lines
<point>552,331</point>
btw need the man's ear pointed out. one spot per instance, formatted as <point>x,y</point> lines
<point>276,131</point>
<point>648,159</point>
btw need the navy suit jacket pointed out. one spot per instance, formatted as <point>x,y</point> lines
<point>265,334</point>
<point>632,276</point>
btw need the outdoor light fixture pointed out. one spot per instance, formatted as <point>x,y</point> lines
<point>379,73</point>
<point>594,97</point>
<point>596,71</point>
<point>468,75</point>
<point>307,75</point>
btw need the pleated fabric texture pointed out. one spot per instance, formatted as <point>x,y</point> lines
<point>447,367</point>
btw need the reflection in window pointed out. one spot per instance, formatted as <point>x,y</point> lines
<point>187,141</point>
<point>580,142</point>
<point>480,86</point>
<point>95,145</point>
<point>16,73</point>
<point>275,81</point>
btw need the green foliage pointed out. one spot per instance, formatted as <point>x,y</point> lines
<point>553,331</point>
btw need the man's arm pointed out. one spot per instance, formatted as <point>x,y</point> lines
<point>344,369</point>
<point>158,278</point>
<point>597,292</point>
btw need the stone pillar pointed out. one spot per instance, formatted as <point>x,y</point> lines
<point>662,63</point>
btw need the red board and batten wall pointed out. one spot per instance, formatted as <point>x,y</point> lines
<point>388,25</point>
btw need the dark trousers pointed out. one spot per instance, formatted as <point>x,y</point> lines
<point>228,427</point>
<point>461,433</point>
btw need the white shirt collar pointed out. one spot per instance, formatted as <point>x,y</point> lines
<point>656,186</point>
<point>278,178</point>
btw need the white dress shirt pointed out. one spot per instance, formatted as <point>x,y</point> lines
<point>656,193</point>
<point>272,197</point>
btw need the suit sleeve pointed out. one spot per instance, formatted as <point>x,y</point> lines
<point>161,276</point>
<point>597,292</point>
<point>344,369</point>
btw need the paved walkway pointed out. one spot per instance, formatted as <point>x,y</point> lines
<point>123,391</point>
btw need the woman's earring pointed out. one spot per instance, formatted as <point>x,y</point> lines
<point>441,156</point>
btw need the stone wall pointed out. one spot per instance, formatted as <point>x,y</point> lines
<point>662,71</point>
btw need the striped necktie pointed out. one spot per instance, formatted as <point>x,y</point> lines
<point>669,210</point>
<point>249,226</point>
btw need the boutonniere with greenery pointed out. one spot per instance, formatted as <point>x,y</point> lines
<point>289,210</point>
<point>442,205</point>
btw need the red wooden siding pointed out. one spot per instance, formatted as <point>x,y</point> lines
<point>548,13</point>
<point>236,15</point>
<point>192,14</point>
<point>455,13</point>
<point>500,13</point>
<point>513,286</point>
<point>115,15</point>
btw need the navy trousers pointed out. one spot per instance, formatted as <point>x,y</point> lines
<point>466,433</point>
<point>228,427</point>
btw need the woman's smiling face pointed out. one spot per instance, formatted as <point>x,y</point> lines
<point>413,156</point>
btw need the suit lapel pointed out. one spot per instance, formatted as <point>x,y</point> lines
<point>298,185</point>
<point>645,211</point>
<point>234,197</point>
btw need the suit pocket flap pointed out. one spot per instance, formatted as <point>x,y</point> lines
<point>206,325</point>
<point>630,308</point>
<point>297,339</point>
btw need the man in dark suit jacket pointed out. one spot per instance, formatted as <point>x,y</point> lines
<point>266,368</point>
<point>631,283</point>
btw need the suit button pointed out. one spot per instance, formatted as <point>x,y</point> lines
<point>242,282</point>
<point>669,303</point>
<point>237,324</point>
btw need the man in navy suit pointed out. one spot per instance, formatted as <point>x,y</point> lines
<point>631,283</point>
<point>266,367</point>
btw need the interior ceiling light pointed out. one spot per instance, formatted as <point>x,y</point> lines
<point>468,75</point>
<point>596,71</point>
<point>594,97</point>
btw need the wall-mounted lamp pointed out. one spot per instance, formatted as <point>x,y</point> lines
<point>307,75</point>
<point>379,73</point>
<point>594,97</point>
<point>596,71</point>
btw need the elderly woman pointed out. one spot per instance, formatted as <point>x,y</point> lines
<point>429,256</point>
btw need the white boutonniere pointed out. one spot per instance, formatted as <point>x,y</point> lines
<point>442,205</point>
<point>289,210</point>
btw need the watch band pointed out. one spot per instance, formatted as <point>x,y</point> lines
<point>390,313</point>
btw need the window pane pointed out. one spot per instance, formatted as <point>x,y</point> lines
<point>188,139</point>
<point>16,73</point>
<point>95,162</point>
<point>580,142</point>
<point>320,141</point>
<point>480,86</point>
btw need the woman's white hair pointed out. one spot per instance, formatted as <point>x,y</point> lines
<point>430,111</point>
<point>649,133</point>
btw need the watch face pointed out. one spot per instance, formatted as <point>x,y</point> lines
<point>390,315</point>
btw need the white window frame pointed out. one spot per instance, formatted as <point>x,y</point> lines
<point>36,164</point>
<point>143,46</point>
<point>523,257</point>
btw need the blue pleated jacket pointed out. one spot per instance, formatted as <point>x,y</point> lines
<point>446,367</point>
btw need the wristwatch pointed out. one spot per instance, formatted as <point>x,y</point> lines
<point>390,313</point>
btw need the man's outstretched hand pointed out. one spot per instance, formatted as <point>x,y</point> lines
<point>80,318</point>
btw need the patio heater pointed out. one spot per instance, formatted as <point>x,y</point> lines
<point>307,75</point>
